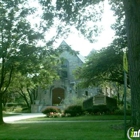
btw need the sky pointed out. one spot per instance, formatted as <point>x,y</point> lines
<point>79,43</point>
<point>84,46</point>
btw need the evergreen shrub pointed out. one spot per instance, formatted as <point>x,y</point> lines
<point>121,112</point>
<point>74,110</point>
<point>51,110</point>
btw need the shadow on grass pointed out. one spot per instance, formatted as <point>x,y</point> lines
<point>81,118</point>
<point>62,131</point>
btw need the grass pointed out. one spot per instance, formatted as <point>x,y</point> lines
<point>98,130</point>
<point>9,114</point>
<point>62,131</point>
<point>79,118</point>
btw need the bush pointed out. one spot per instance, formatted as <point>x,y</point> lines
<point>121,112</point>
<point>101,109</point>
<point>51,110</point>
<point>14,107</point>
<point>74,110</point>
<point>17,109</point>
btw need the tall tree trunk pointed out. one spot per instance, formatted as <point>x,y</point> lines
<point>1,115</point>
<point>132,12</point>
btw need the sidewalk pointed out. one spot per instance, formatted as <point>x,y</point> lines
<point>22,116</point>
<point>84,121</point>
<point>20,119</point>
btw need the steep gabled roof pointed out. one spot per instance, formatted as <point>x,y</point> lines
<point>64,44</point>
<point>82,58</point>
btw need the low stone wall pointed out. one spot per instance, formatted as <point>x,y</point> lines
<point>36,108</point>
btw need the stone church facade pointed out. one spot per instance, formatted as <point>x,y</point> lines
<point>66,86</point>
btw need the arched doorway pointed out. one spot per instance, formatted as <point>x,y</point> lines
<point>57,95</point>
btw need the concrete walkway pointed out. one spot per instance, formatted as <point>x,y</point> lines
<point>20,119</point>
<point>82,121</point>
<point>22,116</point>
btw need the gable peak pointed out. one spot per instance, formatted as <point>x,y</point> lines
<point>63,43</point>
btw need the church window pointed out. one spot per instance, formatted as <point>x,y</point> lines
<point>64,69</point>
<point>86,93</point>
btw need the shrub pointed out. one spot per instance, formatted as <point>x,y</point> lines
<point>100,109</point>
<point>74,110</point>
<point>51,110</point>
<point>17,109</point>
<point>121,112</point>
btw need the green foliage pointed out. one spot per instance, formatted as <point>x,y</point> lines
<point>119,26</point>
<point>74,110</point>
<point>14,107</point>
<point>17,44</point>
<point>105,65</point>
<point>77,13</point>
<point>49,110</point>
<point>121,112</point>
<point>18,50</point>
<point>128,20</point>
<point>100,130</point>
<point>101,109</point>
<point>23,65</point>
<point>41,74</point>
<point>109,107</point>
<point>18,109</point>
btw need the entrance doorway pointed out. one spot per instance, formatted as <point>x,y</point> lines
<point>57,96</point>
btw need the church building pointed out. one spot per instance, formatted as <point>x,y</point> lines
<point>66,86</point>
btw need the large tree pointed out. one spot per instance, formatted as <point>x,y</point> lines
<point>132,10</point>
<point>131,25</point>
<point>42,73</point>
<point>106,65</point>
<point>101,66</point>
<point>9,38</point>
<point>76,14</point>
<point>18,51</point>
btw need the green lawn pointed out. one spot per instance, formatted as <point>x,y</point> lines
<point>7,115</point>
<point>94,130</point>
<point>79,118</point>
<point>62,131</point>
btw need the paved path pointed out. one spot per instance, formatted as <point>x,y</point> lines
<point>20,119</point>
<point>84,121</point>
<point>22,116</point>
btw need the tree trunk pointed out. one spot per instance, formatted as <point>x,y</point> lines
<point>1,115</point>
<point>24,96</point>
<point>30,96</point>
<point>132,12</point>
